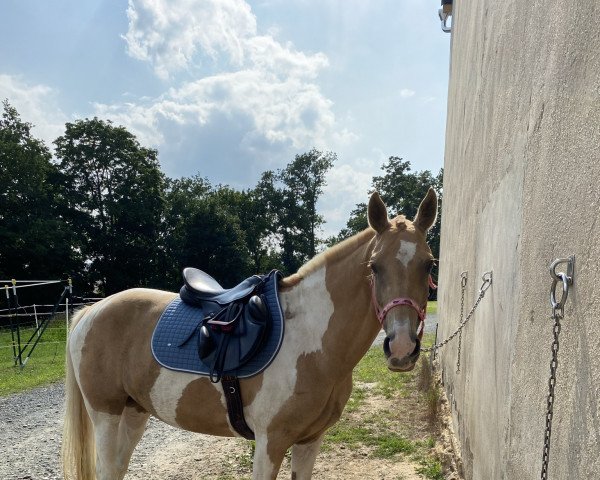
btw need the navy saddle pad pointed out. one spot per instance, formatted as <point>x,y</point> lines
<point>175,339</point>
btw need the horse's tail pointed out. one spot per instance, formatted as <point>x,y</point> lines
<point>78,447</point>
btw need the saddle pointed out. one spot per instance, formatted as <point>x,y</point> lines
<point>225,334</point>
<point>235,321</point>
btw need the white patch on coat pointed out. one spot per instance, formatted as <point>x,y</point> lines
<point>262,466</point>
<point>78,335</point>
<point>406,252</point>
<point>309,308</point>
<point>168,390</point>
<point>106,430</point>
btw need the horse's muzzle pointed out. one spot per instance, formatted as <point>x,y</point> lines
<point>401,364</point>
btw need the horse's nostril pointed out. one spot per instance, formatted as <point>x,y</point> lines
<point>386,347</point>
<point>417,349</point>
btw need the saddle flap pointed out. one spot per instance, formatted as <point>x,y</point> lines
<point>232,344</point>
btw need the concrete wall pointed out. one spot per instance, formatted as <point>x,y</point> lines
<point>521,188</point>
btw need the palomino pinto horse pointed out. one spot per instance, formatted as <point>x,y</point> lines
<point>331,308</point>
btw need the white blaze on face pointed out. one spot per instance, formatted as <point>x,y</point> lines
<point>406,252</point>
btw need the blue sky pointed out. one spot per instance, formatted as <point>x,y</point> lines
<point>228,89</point>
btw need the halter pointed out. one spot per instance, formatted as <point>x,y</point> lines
<point>400,301</point>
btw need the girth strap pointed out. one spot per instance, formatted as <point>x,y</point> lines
<point>235,408</point>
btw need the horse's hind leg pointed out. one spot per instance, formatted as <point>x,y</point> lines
<point>106,431</point>
<point>116,437</point>
<point>131,428</point>
<point>303,458</point>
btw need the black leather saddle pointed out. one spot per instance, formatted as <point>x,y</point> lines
<point>234,323</point>
<point>200,287</point>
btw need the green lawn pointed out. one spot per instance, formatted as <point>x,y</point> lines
<point>432,307</point>
<point>46,364</point>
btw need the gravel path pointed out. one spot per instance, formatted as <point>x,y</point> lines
<point>31,426</point>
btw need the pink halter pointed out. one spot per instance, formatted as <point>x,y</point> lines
<point>397,302</point>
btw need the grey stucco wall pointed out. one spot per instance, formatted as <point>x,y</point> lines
<point>521,188</point>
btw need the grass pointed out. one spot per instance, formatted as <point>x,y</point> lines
<point>382,427</point>
<point>432,307</point>
<point>46,364</point>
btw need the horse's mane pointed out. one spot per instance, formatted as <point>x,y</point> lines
<point>331,254</point>
<point>337,251</point>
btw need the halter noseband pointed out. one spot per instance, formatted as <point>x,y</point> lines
<point>397,302</point>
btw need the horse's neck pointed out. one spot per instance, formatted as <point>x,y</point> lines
<point>329,312</point>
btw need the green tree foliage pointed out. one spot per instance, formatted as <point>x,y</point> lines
<point>203,229</point>
<point>34,240</point>
<point>299,223</point>
<point>105,209</point>
<point>114,192</point>
<point>261,224</point>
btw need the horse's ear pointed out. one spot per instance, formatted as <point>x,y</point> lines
<point>427,212</point>
<point>377,213</point>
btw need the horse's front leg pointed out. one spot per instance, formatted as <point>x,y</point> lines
<point>303,458</point>
<point>268,455</point>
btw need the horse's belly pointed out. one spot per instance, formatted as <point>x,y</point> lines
<point>190,402</point>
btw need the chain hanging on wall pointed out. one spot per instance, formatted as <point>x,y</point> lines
<point>558,311</point>
<point>487,282</point>
<point>463,287</point>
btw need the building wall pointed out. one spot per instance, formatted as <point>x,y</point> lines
<point>521,188</point>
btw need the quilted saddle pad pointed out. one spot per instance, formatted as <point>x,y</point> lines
<point>175,337</point>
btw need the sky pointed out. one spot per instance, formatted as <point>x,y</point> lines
<point>227,89</point>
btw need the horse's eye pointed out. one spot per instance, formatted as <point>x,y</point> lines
<point>373,268</point>
<point>430,264</point>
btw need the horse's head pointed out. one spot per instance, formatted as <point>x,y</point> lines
<point>401,263</point>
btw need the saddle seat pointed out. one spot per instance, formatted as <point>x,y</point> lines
<point>199,287</point>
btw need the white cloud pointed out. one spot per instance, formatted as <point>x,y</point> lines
<point>171,34</point>
<point>407,93</point>
<point>36,104</point>
<point>141,120</point>
<point>246,74</point>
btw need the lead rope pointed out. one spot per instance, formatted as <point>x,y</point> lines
<point>487,282</point>
<point>558,311</point>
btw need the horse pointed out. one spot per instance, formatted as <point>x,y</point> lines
<point>333,311</point>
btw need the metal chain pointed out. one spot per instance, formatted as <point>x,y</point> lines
<point>557,316</point>
<point>558,313</point>
<point>487,281</point>
<point>463,287</point>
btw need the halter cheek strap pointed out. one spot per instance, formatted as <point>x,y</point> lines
<point>397,302</point>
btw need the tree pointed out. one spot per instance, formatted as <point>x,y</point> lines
<point>402,191</point>
<point>203,228</point>
<point>114,190</point>
<point>35,242</point>
<point>302,185</point>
